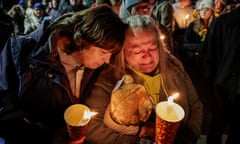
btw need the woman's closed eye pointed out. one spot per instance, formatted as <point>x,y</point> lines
<point>151,49</point>
<point>138,51</point>
<point>104,52</point>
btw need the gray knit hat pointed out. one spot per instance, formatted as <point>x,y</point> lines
<point>206,4</point>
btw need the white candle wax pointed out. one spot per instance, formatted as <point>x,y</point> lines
<point>170,112</point>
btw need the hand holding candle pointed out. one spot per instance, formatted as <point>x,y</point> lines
<point>77,117</point>
<point>168,117</point>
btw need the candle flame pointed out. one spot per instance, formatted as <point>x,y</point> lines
<point>162,37</point>
<point>88,114</point>
<point>172,97</point>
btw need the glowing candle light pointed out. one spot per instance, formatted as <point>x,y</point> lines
<point>77,117</point>
<point>186,20</point>
<point>162,37</point>
<point>87,115</point>
<point>171,98</point>
<point>168,119</point>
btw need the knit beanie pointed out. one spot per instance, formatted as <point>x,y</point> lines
<point>21,2</point>
<point>130,3</point>
<point>206,4</point>
<point>38,5</point>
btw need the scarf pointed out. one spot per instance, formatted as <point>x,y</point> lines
<point>152,84</point>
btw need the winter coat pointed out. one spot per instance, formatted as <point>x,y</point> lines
<point>222,58</point>
<point>163,13</point>
<point>98,133</point>
<point>192,47</point>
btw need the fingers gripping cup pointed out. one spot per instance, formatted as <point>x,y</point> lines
<point>168,118</point>
<point>76,120</point>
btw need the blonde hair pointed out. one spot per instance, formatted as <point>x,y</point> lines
<point>169,65</point>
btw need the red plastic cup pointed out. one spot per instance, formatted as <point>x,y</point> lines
<point>75,122</point>
<point>168,119</point>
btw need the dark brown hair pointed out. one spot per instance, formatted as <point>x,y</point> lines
<point>99,26</point>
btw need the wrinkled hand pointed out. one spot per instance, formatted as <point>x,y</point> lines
<point>147,130</point>
<point>78,141</point>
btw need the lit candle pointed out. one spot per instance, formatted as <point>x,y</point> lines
<point>170,106</point>
<point>172,97</point>
<point>186,20</point>
<point>87,115</point>
<point>162,37</point>
<point>169,110</point>
<point>168,118</point>
<point>78,115</point>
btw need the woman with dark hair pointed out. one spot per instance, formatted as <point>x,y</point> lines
<point>59,71</point>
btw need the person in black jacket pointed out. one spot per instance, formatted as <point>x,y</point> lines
<point>37,85</point>
<point>223,57</point>
<point>194,43</point>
